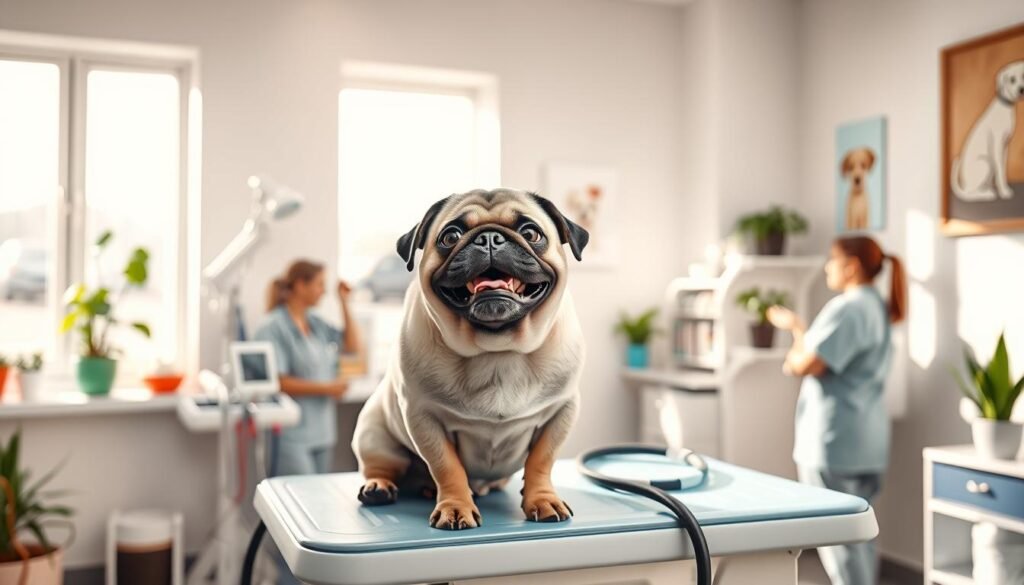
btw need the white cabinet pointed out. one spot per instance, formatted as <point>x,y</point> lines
<point>961,489</point>
<point>720,396</point>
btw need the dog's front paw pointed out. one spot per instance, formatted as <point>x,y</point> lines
<point>1005,191</point>
<point>378,492</point>
<point>455,514</point>
<point>544,505</point>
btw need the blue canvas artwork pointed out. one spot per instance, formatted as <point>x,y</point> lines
<point>860,169</point>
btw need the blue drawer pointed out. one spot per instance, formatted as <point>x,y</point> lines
<point>990,491</point>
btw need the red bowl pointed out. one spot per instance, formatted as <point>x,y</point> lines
<point>164,383</point>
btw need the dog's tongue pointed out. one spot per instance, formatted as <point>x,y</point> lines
<point>480,283</point>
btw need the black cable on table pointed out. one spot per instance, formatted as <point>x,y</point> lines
<point>250,553</point>
<point>689,523</point>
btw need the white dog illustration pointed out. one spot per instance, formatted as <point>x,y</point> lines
<point>979,173</point>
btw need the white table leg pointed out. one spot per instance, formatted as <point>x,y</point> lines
<point>767,568</point>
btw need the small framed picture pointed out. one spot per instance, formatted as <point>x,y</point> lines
<point>983,134</point>
<point>860,171</point>
<point>586,194</point>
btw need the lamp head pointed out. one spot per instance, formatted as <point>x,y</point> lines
<point>276,201</point>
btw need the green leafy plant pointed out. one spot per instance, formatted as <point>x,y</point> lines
<point>638,330</point>
<point>32,363</point>
<point>91,311</point>
<point>758,304</point>
<point>774,221</point>
<point>991,388</point>
<point>29,502</point>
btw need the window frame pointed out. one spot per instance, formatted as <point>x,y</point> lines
<point>75,57</point>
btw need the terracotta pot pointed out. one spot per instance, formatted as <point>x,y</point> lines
<point>771,245</point>
<point>43,569</point>
<point>3,378</point>
<point>762,335</point>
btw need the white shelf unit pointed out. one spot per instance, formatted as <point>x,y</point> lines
<point>748,418</point>
<point>948,523</point>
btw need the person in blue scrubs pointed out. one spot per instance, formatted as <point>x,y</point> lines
<point>307,349</point>
<point>842,427</point>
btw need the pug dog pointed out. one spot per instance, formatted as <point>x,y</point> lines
<point>485,379</point>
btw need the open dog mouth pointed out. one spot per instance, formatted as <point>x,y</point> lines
<point>494,283</point>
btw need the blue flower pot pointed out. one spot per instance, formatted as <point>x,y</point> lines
<point>636,355</point>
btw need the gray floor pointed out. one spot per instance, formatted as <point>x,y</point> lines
<point>811,573</point>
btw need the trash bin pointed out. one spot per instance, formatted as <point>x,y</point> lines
<point>145,546</point>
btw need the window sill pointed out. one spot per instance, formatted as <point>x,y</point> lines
<point>64,399</point>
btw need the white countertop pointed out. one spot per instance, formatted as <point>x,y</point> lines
<point>63,399</point>
<point>695,380</point>
<point>966,456</point>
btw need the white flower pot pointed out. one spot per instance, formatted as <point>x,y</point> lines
<point>996,439</point>
<point>31,386</point>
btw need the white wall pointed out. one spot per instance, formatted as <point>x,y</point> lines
<point>867,58</point>
<point>578,80</point>
<point>740,67</point>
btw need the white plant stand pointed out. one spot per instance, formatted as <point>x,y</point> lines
<point>733,402</point>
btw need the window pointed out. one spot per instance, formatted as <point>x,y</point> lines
<point>407,137</point>
<point>92,138</point>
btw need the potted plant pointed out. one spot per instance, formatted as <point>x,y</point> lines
<point>4,366</point>
<point>27,512</point>
<point>29,375</point>
<point>638,331</point>
<point>91,312</point>
<point>769,228</point>
<point>762,332</point>
<point>993,392</point>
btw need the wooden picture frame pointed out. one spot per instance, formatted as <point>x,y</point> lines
<point>987,194</point>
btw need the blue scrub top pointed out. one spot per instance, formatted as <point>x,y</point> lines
<point>841,420</point>
<point>311,357</point>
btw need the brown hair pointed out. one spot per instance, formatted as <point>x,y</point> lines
<point>870,255</point>
<point>279,289</point>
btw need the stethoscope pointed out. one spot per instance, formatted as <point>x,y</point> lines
<point>657,489</point>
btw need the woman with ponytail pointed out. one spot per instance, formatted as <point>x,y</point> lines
<point>842,428</point>
<point>307,349</point>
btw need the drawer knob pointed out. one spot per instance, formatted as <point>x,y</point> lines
<point>977,488</point>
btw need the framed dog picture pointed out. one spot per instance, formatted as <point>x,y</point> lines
<point>983,134</point>
<point>586,194</point>
<point>860,169</point>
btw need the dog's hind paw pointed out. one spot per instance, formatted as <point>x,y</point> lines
<point>378,492</point>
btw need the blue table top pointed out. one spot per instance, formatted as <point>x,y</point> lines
<point>326,516</point>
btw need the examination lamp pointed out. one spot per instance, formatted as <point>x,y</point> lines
<point>270,202</point>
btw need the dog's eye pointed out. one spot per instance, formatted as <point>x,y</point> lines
<point>531,233</point>
<point>449,237</point>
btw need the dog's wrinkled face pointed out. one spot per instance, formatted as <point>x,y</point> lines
<point>493,268</point>
<point>1010,82</point>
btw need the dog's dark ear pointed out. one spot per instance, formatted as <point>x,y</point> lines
<point>416,237</point>
<point>871,158</point>
<point>844,167</point>
<point>568,231</point>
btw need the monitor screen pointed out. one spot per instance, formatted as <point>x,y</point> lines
<point>254,366</point>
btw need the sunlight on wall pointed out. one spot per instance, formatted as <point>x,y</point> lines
<point>989,285</point>
<point>920,266</point>
<point>920,260</point>
<point>921,324</point>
